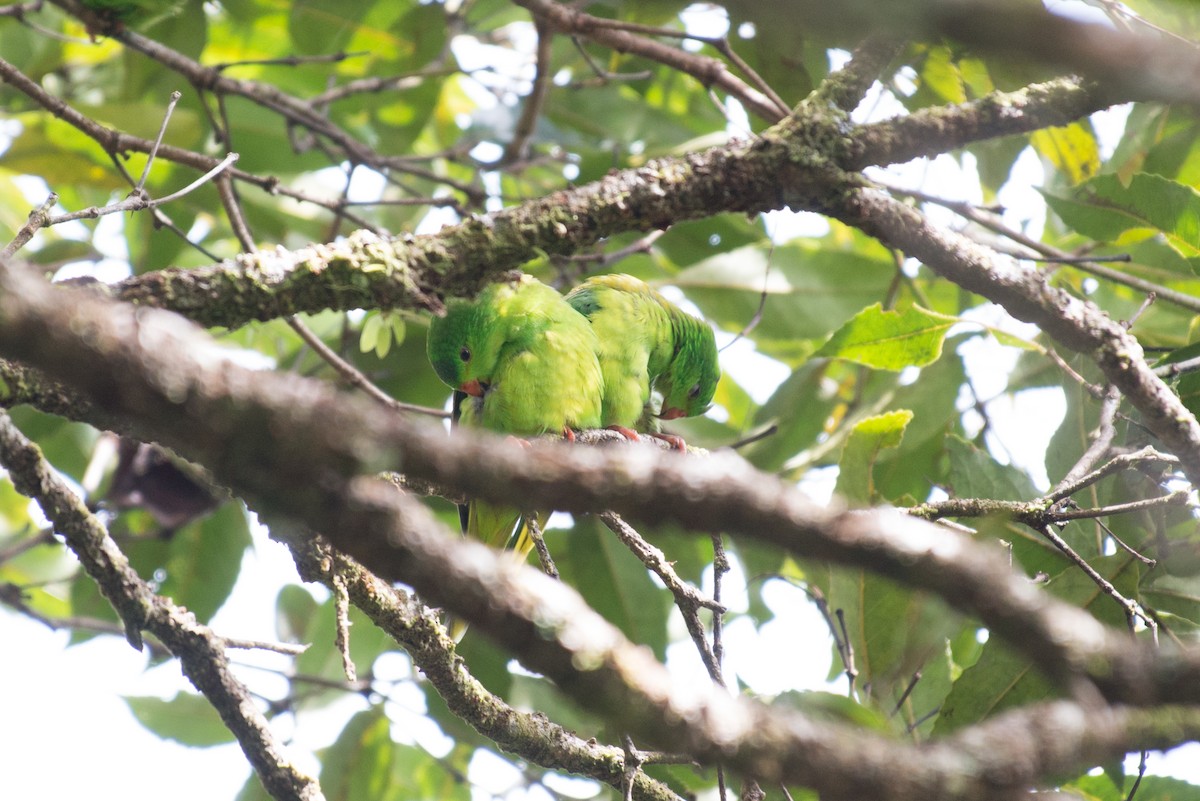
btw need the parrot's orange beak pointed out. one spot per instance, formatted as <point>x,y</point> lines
<point>671,414</point>
<point>472,387</point>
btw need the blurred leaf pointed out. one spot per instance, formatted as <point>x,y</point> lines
<point>294,608</point>
<point>1149,788</point>
<point>324,26</point>
<point>1072,149</point>
<point>1001,679</point>
<point>187,718</point>
<point>799,409</point>
<point>204,560</point>
<point>358,766</point>
<point>825,706</point>
<point>614,582</point>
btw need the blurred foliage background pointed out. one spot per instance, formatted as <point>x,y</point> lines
<point>436,95</point>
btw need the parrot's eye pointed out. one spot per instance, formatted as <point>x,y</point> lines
<point>694,391</point>
<point>465,354</point>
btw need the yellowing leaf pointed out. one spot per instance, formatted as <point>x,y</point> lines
<point>1072,149</point>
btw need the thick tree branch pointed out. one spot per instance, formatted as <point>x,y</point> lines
<point>940,129</point>
<point>418,629</point>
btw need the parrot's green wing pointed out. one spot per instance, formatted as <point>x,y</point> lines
<point>634,330</point>
<point>647,342</point>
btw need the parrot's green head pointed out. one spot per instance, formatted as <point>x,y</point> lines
<point>690,380</point>
<point>464,346</point>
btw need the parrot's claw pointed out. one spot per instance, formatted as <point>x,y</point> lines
<point>675,440</point>
<point>568,434</point>
<point>627,433</point>
<point>524,443</point>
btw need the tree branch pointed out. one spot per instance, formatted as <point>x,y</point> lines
<point>200,652</point>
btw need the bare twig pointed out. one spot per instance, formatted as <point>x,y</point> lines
<point>341,611</point>
<point>38,218</point>
<point>532,108</point>
<point>354,377</point>
<point>1101,441</point>
<point>162,130</point>
<point>539,544</point>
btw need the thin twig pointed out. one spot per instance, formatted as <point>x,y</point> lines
<point>1115,465</point>
<point>687,598</point>
<point>352,375</point>
<point>23,544</point>
<point>1101,441</point>
<point>341,614</point>
<point>912,685</point>
<point>762,303</point>
<point>1178,498</point>
<point>1146,560</point>
<point>286,648</point>
<point>1131,607</point>
<point>539,543</point>
<point>162,131</point>
<point>531,109</point>
<point>969,212</point>
<point>38,218</point>
<point>291,61</point>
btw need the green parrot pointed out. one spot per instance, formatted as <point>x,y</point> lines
<point>647,342</point>
<point>521,362</point>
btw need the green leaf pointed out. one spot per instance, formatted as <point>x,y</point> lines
<point>613,581</point>
<point>204,560</point>
<point>187,719</point>
<point>826,706</point>
<point>1104,209</point>
<point>324,26</point>
<point>294,608</point>
<point>1149,788</point>
<point>1001,679</point>
<point>358,766</point>
<point>889,340</point>
<point>869,437</point>
<point>811,290</point>
<point>799,409</point>
<point>940,74</point>
<point>379,331</point>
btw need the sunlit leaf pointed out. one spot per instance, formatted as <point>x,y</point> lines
<point>890,340</point>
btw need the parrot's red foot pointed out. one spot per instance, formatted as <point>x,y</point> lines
<point>524,443</point>
<point>627,433</point>
<point>568,434</point>
<point>676,441</point>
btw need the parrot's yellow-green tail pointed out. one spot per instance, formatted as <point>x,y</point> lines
<point>501,528</point>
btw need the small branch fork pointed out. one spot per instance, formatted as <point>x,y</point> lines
<point>1045,514</point>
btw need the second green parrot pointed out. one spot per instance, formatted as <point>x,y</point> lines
<point>647,342</point>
